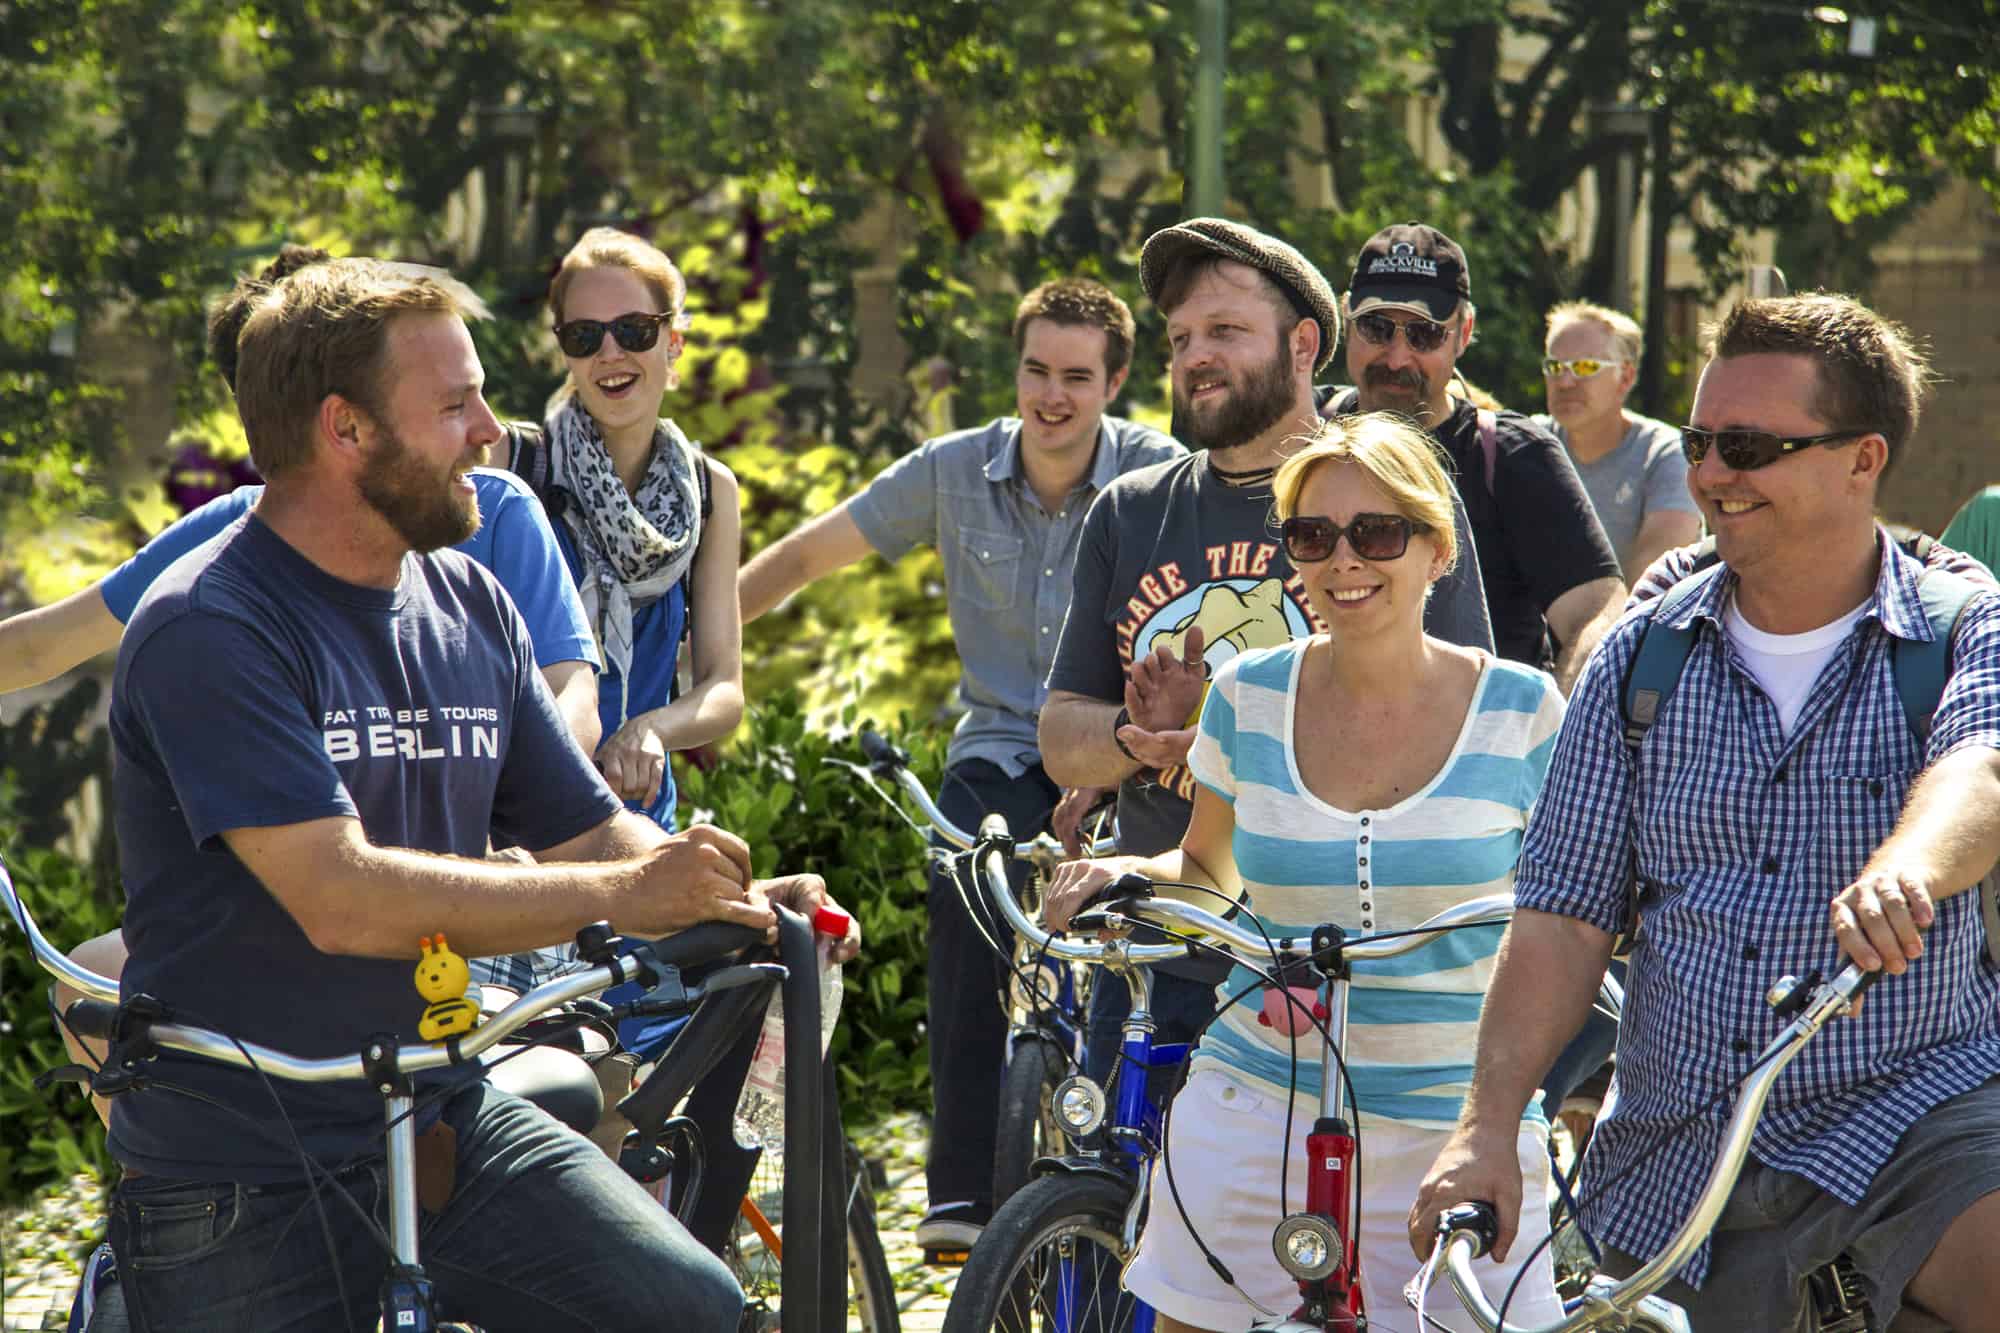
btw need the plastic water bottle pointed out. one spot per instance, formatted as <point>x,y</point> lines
<point>760,1111</point>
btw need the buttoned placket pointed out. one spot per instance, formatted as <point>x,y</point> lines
<point>1363,876</point>
<point>1052,586</point>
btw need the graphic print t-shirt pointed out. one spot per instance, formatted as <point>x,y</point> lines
<point>255,690</point>
<point>1169,548</point>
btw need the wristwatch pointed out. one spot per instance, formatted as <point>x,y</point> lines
<point>1123,719</point>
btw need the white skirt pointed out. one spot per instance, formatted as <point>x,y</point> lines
<point>1227,1141</point>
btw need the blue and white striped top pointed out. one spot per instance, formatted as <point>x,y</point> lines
<point>1412,1020</point>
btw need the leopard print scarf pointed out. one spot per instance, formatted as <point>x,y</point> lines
<point>634,546</point>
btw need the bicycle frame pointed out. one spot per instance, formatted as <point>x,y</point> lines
<point>406,1298</point>
<point>1315,1246</point>
<point>1466,1232</point>
<point>1059,1020</point>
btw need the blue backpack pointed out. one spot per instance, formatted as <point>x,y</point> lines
<point>1920,671</point>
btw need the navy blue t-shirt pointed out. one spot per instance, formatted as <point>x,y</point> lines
<point>255,690</point>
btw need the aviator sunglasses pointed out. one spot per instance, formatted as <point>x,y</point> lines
<point>635,332</point>
<point>1584,367</point>
<point>1748,450</point>
<point>1423,335</point>
<point>1310,538</point>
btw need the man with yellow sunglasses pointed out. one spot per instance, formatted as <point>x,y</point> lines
<point>1631,465</point>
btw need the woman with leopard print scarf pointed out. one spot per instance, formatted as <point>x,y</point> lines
<point>650,558</point>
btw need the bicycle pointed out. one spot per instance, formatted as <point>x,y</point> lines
<point>1046,1002</point>
<point>1467,1231</point>
<point>1032,1265</point>
<point>139,1028</point>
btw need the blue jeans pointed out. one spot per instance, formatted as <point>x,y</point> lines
<point>542,1232</point>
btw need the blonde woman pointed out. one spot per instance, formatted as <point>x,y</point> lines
<point>1369,775</point>
<point>647,522</point>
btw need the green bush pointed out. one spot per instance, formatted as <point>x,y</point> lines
<point>773,789</point>
<point>49,1135</point>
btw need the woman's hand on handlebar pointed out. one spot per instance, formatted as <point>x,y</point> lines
<point>1076,882</point>
<point>1474,1167</point>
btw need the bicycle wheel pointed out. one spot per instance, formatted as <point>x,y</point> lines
<point>1028,1128</point>
<point>1049,1260</point>
<point>755,1252</point>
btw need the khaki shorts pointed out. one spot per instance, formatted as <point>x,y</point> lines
<point>1778,1227</point>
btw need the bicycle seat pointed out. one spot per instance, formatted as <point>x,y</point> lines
<point>558,1081</point>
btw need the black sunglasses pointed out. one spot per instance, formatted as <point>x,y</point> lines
<point>1310,538</point>
<point>635,332</point>
<point>1423,335</point>
<point>1748,450</point>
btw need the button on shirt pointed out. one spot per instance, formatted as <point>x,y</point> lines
<point>1008,563</point>
<point>1740,837</point>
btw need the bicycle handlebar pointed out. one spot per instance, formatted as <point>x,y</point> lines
<point>888,761</point>
<point>1465,1232</point>
<point>96,1014</point>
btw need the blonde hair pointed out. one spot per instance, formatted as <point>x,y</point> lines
<point>325,330</point>
<point>1397,456</point>
<point>607,247</point>
<point>1621,326</point>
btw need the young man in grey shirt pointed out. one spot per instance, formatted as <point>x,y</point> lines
<point>1004,505</point>
<point>1631,465</point>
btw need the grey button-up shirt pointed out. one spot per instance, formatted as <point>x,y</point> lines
<point>1007,564</point>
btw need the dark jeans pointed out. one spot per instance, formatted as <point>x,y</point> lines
<point>968,1028</point>
<point>1182,1007</point>
<point>542,1232</point>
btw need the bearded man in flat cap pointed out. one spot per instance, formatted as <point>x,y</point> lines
<point>1180,566</point>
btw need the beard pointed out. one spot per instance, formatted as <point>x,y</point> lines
<point>424,508</point>
<point>1263,398</point>
<point>1411,390</point>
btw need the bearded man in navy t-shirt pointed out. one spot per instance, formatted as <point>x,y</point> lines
<point>320,717</point>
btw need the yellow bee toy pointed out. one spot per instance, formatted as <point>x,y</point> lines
<point>442,978</point>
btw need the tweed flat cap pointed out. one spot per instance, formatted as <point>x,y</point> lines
<point>1246,245</point>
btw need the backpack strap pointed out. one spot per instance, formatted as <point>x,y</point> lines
<point>1661,656</point>
<point>529,459</point>
<point>1921,669</point>
<point>1489,443</point>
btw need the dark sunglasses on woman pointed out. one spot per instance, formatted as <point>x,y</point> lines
<point>635,332</point>
<point>1423,335</point>
<point>1310,538</point>
<point>1748,450</point>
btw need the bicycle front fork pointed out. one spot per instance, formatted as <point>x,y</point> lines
<point>1315,1245</point>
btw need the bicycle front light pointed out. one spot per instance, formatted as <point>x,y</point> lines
<point>1307,1246</point>
<point>1079,1105</point>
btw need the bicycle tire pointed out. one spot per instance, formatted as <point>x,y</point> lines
<point>1027,1126</point>
<point>1013,1281</point>
<point>870,1287</point>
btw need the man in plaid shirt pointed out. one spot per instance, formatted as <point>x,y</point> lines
<point>1780,813</point>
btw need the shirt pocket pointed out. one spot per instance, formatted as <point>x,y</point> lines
<point>1861,810</point>
<point>989,569</point>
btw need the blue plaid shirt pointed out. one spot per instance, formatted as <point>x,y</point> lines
<point>1741,837</point>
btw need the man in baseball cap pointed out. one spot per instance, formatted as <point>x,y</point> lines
<point>1179,565</point>
<point>1551,577</point>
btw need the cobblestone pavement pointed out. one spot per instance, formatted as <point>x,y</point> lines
<point>42,1248</point>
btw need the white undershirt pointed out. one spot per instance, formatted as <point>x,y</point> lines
<point>1786,665</point>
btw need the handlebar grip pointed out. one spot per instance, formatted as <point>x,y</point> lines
<point>1477,1218</point>
<point>879,752</point>
<point>704,943</point>
<point>91,1018</point>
